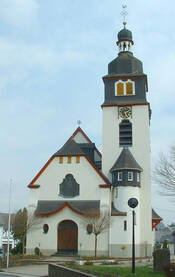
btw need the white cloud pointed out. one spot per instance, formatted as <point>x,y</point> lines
<point>19,13</point>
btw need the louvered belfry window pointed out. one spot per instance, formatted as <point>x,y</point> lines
<point>125,133</point>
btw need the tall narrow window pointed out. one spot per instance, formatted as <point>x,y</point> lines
<point>77,159</point>
<point>125,225</point>
<point>125,133</point>
<point>120,175</point>
<point>138,177</point>
<point>120,89</point>
<point>69,159</point>
<point>116,192</point>
<point>130,176</point>
<point>129,88</point>
<point>60,160</point>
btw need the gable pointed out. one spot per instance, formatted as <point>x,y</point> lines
<point>79,136</point>
<point>77,145</point>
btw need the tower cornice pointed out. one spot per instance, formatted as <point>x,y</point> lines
<point>126,104</point>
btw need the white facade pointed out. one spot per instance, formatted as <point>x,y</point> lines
<point>59,202</point>
<point>141,152</point>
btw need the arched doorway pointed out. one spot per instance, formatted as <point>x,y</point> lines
<point>67,236</point>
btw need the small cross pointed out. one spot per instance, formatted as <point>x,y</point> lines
<point>124,13</point>
<point>79,122</point>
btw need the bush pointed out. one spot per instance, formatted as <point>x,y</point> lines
<point>17,249</point>
<point>169,270</point>
<point>37,252</point>
<point>165,244</point>
<point>88,263</point>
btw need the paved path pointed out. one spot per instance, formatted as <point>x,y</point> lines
<point>35,270</point>
<point>28,270</point>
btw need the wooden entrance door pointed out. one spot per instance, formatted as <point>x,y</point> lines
<point>67,236</point>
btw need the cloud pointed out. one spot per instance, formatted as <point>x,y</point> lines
<point>18,13</point>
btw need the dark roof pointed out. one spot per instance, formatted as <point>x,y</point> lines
<point>125,63</point>
<point>125,34</point>
<point>155,215</point>
<point>116,212</point>
<point>70,148</point>
<point>126,161</point>
<point>84,207</point>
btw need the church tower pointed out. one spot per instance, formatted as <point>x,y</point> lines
<point>126,146</point>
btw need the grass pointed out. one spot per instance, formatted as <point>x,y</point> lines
<point>117,271</point>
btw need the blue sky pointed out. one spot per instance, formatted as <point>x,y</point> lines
<point>52,57</point>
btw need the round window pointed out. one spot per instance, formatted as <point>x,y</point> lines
<point>45,228</point>
<point>89,229</point>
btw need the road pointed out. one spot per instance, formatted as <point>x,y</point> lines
<point>5,275</point>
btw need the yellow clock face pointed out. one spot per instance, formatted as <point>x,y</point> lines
<point>125,112</point>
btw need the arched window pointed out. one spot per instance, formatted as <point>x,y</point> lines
<point>125,133</point>
<point>126,88</point>
<point>120,88</point>
<point>129,88</point>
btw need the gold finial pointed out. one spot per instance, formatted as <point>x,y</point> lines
<point>124,13</point>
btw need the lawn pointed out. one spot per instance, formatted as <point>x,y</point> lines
<point>114,271</point>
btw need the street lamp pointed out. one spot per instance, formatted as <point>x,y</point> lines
<point>9,218</point>
<point>132,203</point>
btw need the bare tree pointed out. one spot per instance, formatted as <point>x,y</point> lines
<point>22,223</point>
<point>164,172</point>
<point>97,224</point>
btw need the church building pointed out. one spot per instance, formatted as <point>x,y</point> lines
<point>79,182</point>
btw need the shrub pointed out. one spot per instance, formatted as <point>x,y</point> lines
<point>37,251</point>
<point>169,270</point>
<point>165,244</point>
<point>70,263</point>
<point>88,263</point>
<point>17,249</point>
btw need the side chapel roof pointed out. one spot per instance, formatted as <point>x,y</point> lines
<point>126,161</point>
<point>155,215</point>
<point>83,207</point>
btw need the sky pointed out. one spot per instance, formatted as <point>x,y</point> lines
<point>53,55</point>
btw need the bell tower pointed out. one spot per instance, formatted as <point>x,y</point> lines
<point>126,139</point>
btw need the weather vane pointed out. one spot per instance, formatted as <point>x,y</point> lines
<point>124,13</point>
<point>79,122</point>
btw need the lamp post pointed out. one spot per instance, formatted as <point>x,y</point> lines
<point>9,218</point>
<point>132,203</point>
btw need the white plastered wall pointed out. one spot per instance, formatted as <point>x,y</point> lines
<point>49,181</point>
<point>141,152</point>
<point>53,176</point>
<point>48,242</point>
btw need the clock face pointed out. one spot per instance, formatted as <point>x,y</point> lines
<point>125,112</point>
